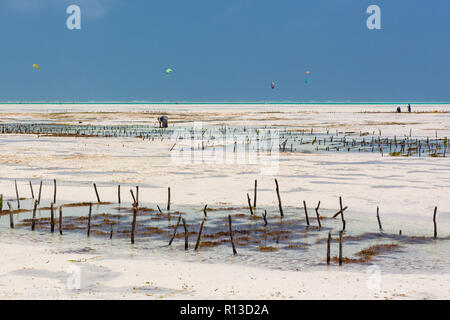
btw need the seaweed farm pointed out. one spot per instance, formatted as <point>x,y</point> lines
<point>241,138</point>
<point>288,238</point>
<point>238,202</point>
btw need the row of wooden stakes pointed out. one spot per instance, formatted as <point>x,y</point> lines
<point>135,205</point>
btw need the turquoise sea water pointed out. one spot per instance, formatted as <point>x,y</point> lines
<point>235,102</point>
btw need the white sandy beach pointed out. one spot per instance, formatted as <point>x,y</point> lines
<point>37,272</point>
<point>409,187</point>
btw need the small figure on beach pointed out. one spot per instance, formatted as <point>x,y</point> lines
<point>163,121</point>
<point>409,107</point>
<point>399,109</point>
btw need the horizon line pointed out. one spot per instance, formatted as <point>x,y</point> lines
<point>228,102</point>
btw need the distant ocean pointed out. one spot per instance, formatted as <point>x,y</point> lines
<point>234,102</point>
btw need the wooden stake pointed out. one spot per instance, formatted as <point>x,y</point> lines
<point>54,192</point>
<point>89,220</point>
<point>342,214</point>
<point>133,225</point>
<point>265,217</point>
<point>339,212</point>
<point>318,215</point>
<point>118,193</point>
<point>17,195</point>
<point>306,213</point>
<point>279,199</point>
<point>254,194</point>
<point>186,235</point>
<point>340,247</point>
<point>204,210</point>
<point>33,220</point>
<point>378,218</point>
<point>175,231</point>
<point>329,248</point>
<point>249,204</point>
<point>134,199</point>
<point>96,193</point>
<point>31,188</point>
<point>231,235</point>
<point>39,196</point>
<point>52,218</point>
<point>60,220</point>
<point>159,209</point>
<point>137,196</point>
<point>434,221</point>
<point>168,199</point>
<point>199,234</point>
<point>11,217</point>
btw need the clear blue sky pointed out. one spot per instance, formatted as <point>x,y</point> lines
<point>225,50</point>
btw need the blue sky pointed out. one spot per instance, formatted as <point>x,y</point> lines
<point>225,50</point>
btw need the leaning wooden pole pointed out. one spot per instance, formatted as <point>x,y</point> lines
<point>199,234</point>
<point>17,195</point>
<point>342,214</point>
<point>339,212</point>
<point>231,235</point>
<point>134,199</point>
<point>96,193</point>
<point>137,196</point>
<point>175,231</point>
<point>249,204</point>
<point>434,222</point>
<point>306,213</point>
<point>378,218</point>
<point>31,188</point>
<point>279,198</point>
<point>40,190</point>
